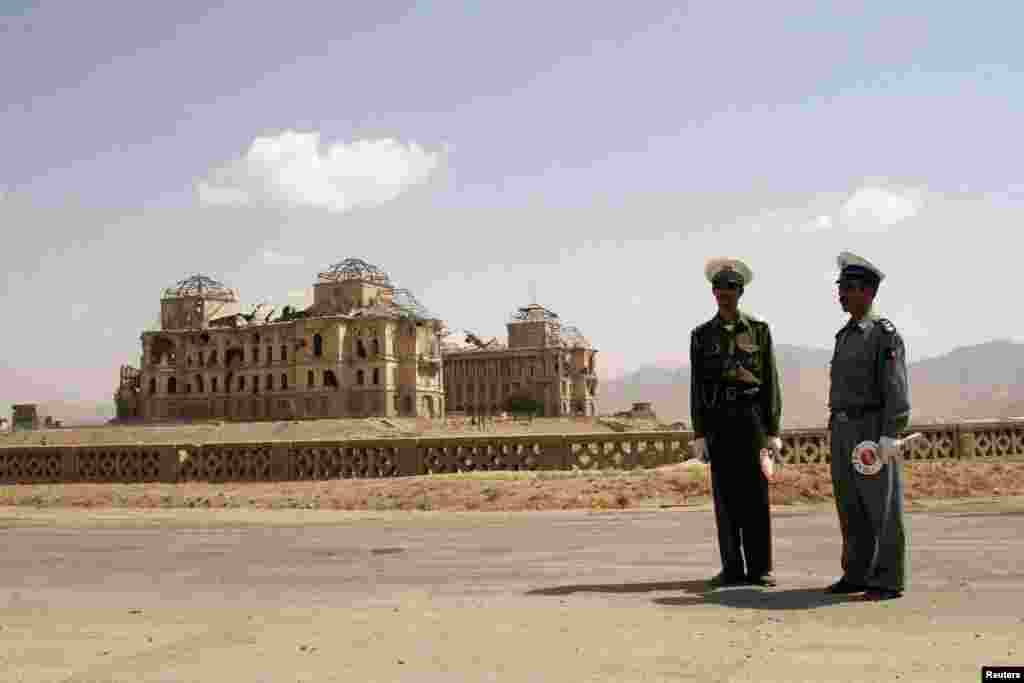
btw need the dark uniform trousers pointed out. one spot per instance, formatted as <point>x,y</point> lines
<point>866,503</point>
<point>740,490</point>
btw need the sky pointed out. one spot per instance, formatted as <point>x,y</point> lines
<point>597,154</point>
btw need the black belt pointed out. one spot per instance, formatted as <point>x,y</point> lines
<point>854,412</point>
<point>734,394</point>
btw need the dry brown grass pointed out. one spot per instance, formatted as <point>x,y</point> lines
<point>512,491</point>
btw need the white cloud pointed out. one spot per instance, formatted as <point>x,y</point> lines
<point>273,258</point>
<point>289,170</point>
<point>877,208</point>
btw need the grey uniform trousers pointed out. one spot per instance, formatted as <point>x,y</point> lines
<point>870,509</point>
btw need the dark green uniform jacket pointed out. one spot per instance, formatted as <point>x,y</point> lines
<point>740,359</point>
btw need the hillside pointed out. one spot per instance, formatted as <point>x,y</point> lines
<point>986,380</point>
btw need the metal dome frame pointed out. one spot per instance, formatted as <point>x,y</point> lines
<point>405,300</point>
<point>525,314</point>
<point>199,285</point>
<point>355,269</point>
<point>571,336</point>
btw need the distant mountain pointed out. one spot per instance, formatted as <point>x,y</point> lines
<point>986,380</point>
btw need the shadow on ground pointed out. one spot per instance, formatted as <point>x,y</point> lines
<point>700,594</point>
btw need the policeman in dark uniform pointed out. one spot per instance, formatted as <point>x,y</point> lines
<point>735,405</point>
<point>868,401</point>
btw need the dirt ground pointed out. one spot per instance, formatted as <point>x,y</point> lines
<point>327,429</point>
<point>676,485</point>
<point>599,596</point>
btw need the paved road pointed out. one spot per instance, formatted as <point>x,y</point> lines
<point>560,596</point>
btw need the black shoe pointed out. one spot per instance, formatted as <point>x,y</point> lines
<point>721,580</point>
<point>874,594</point>
<point>766,580</point>
<point>842,586</point>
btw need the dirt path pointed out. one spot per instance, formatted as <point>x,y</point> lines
<point>314,595</point>
<point>675,485</point>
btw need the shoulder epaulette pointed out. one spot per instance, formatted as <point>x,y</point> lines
<point>701,326</point>
<point>887,325</point>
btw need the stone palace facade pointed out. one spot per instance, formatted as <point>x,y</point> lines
<point>364,348</point>
<point>544,360</point>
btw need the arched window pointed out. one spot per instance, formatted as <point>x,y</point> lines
<point>270,354</point>
<point>213,357</point>
<point>309,378</point>
<point>376,347</point>
<point>241,382</point>
<point>360,348</point>
<point>152,385</point>
<point>318,345</point>
<point>329,379</point>
<point>199,384</point>
<point>284,381</point>
<point>360,377</point>
<point>172,385</point>
<point>376,375</point>
<point>270,382</point>
<point>284,352</point>
<point>255,354</point>
<point>213,385</point>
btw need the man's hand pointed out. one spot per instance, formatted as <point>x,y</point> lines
<point>699,449</point>
<point>888,448</point>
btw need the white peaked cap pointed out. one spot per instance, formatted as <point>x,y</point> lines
<point>717,265</point>
<point>847,260</point>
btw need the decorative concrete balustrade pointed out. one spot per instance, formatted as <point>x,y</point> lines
<point>366,458</point>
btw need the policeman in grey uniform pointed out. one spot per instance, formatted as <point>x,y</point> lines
<point>735,404</point>
<point>868,401</point>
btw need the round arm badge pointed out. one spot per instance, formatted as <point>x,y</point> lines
<point>866,458</point>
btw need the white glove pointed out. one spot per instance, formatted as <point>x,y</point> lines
<point>776,445</point>
<point>699,449</point>
<point>889,448</point>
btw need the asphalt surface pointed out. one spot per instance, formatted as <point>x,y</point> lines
<point>966,580</point>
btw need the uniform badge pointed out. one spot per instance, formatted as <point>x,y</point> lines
<point>866,459</point>
<point>746,343</point>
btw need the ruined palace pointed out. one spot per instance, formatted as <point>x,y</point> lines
<point>544,360</point>
<point>364,348</point>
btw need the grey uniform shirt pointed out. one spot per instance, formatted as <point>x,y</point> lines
<point>869,371</point>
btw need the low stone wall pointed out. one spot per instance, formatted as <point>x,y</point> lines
<point>305,460</point>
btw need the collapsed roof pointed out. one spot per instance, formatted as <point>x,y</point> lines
<point>355,269</point>
<point>200,286</point>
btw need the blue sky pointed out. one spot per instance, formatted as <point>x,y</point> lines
<point>604,151</point>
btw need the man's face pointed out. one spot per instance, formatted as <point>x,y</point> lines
<point>855,296</point>
<point>727,294</point>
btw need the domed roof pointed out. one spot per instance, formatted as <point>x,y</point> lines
<point>355,269</point>
<point>405,300</point>
<point>201,286</point>
<point>572,337</point>
<point>533,312</point>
